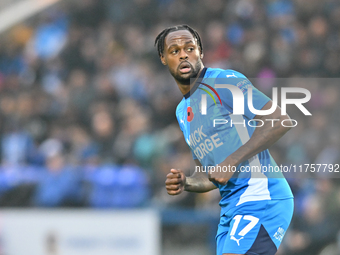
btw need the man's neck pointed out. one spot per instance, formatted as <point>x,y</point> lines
<point>186,88</point>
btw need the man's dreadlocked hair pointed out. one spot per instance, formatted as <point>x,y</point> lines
<point>159,42</point>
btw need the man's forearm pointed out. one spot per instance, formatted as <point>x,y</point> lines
<point>198,184</point>
<point>262,138</point>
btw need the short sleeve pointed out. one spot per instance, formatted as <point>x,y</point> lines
<point>238,80</point>
<point>180,126</point>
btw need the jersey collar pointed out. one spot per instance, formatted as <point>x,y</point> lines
<point>193,89</point>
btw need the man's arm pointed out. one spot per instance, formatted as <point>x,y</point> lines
<point>176,182</point>
<point>262,138</point>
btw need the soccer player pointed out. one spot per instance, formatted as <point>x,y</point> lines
<point>256,205</point>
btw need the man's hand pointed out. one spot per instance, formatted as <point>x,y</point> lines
<point>222,173</point>
<point>214,177</point>
<point>175,181</point>
<point>219,177</point>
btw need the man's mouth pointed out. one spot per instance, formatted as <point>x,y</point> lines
<point>184,67</point>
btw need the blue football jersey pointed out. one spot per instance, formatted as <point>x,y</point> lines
<point>212,129</point>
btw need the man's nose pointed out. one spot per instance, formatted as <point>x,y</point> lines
<point>183,55</point>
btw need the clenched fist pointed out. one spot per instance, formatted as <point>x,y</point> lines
<point>175,181</point>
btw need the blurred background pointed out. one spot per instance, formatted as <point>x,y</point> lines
<point>87,113</point>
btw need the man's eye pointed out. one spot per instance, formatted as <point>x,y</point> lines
<point>190,49</point>
<point>174,51</point>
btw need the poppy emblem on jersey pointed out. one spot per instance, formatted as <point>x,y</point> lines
<point>190,114</point>
<point>209,93</point>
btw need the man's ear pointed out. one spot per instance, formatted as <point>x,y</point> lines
<point>201,55</point>
<point>163,60</point>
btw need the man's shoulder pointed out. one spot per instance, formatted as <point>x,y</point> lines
<point>221,73</point>
<point>229,76</point>
<point>180,106</point>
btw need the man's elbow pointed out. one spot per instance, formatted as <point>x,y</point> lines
<point>283,123</point>
<point>286,123</point>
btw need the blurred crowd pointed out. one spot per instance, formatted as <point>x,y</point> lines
<point>87,111</point>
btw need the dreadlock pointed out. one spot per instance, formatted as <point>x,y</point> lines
<point>159,42</point>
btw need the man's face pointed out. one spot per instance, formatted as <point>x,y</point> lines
<point>182,55</point>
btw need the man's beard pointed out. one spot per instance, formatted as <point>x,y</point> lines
<point>186,81</point>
